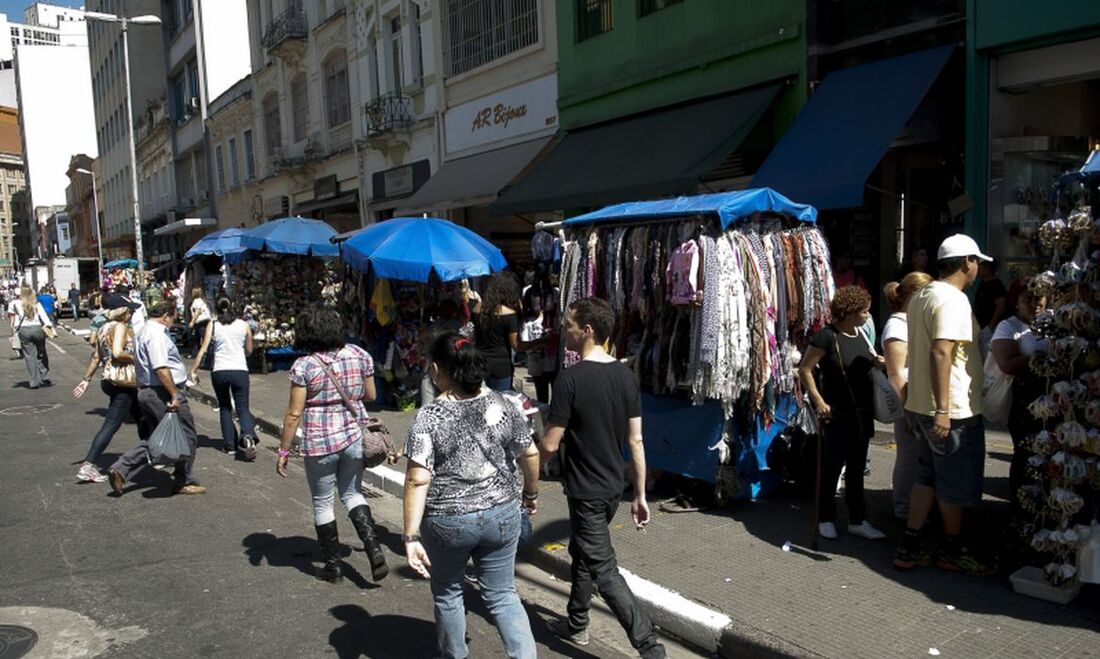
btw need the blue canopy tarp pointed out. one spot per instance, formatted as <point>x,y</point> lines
<point>292,235</point>
<point>410,248</point>
<point>729,206</point>
<point>225,243</point>
<point>120,263</point>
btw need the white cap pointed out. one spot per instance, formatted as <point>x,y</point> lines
<point>958,245</point>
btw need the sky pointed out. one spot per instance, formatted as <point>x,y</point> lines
<point>15,8</point>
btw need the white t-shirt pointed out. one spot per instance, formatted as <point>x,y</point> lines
<point>199,311</point>
<point>942,312</point>
<point>1014,329</point>
<point>39,318</point>
<point>228,342</point>
<point>897,329</point>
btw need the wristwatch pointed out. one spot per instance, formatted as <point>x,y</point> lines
<point>411,538</point>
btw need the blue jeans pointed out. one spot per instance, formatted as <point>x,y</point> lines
<point>123,404</point>
<point>499,384</point>
<point>232,387</point>
<point>490,537</point>
<point>341,471</point>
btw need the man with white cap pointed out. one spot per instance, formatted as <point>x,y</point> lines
<point>944,407</point>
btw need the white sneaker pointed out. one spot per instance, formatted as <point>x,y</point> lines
<point>827,530</point>
<point>89,474</point>
<point>865,530</point>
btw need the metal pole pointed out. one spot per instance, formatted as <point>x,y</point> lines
<point>139,251</point>
<point>98,235</point>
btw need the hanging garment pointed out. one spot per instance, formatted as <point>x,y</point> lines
<point>542,246</point>
<point>682,274</point>
<point>381,302</point>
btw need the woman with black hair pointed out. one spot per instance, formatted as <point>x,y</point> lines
<point>332,441</point>
<point>496,330</point>
<point>232,339</point>
<point>461,489</point>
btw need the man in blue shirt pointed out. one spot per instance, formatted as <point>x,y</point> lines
<point>48,301</point>
<point>161,377</point>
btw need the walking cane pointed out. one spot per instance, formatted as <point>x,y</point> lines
<point>820,439</point>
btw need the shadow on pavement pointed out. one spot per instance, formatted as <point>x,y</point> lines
<point>298,552</point>
<point>386,635</point>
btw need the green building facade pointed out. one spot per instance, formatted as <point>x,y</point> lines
<point>1032,113</point>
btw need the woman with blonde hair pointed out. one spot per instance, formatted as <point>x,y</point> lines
<point>30,322</point>
<point>895,337</point>
<point>113,350</point>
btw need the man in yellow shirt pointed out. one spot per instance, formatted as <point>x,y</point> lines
<point>944,407</point>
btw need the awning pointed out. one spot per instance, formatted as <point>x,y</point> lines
<point>186,224</point>
<point>660,154</point>
<point>473,180</point>
<point>836,141</point>
<point>728,206</point>
<point>349,199</point>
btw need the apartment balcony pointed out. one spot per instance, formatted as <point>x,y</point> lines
<point>289,28</point>
<point>387,116</point>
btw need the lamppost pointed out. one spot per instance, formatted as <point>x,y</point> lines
<point>95,218</point>
<point>123,23</point>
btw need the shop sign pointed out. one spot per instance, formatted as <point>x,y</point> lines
<point>400,181</point>
<point>325,187</point>
<point>521,110</point>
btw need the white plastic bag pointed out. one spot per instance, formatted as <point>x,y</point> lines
<point>997,390</point>
<point>1088,556</point>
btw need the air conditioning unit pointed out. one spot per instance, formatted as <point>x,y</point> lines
<point>193,103</point>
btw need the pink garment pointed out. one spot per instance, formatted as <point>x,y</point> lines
<point>682,274</point>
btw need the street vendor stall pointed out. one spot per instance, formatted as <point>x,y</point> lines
<point>715,297</point>
<point>122,272</point>
<point>416,264</point>
<point>270,287</point>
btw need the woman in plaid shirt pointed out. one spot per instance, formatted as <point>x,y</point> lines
<point>331,437</point>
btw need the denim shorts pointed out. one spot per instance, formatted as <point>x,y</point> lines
<point>955,467</point>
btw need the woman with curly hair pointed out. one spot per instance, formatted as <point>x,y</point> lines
<point>496,330</point>
<point>844,400</point>
<point>331,436</point>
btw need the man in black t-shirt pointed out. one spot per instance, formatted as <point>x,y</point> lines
<point>596,408</point>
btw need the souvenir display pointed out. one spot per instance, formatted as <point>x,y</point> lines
<point>272,289</point>
<point>1064,470</point>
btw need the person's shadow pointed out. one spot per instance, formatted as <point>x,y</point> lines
<point>385,635</point>
<point>297,552</point>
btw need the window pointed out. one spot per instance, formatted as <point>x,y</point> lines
<point>594,17</point>
<point>397,79</point>
<point>192,82</point>
<point>336,89</point>
<point>249,157</point>
<point>299,107</point>
<point>476,32</point>
<point>219,166</point>
<point>418,42</point>
<point>179,91</point>
<point>649,6</point>
<point>273,138</point>
<point>234,166</point>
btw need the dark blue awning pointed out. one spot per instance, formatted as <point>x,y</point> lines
<point>836,141</point>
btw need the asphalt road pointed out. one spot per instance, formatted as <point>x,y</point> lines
<point>225,574</point>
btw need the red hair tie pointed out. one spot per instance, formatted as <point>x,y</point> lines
<point>461,341</point>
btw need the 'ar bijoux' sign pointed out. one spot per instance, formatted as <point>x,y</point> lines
<point>513,112</point>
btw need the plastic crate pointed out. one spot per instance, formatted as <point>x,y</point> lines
<point>1032,581</point>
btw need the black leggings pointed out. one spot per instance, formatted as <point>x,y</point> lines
<point>845,447</point>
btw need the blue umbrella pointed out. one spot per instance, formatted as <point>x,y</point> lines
<point>410,248</point>
<point>225,243</point>
<point>292,235</point>
<point>120,263</point>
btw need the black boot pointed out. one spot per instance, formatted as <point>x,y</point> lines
<point>329,539</point>
<point>364,526</point>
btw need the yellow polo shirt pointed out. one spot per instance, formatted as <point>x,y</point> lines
<point>941,311</point>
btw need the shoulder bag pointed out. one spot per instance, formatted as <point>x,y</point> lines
<point>377,442</point>
<point>887,403</point>
<point>15,343</point>
<point>117,373</point>
<point>997,391</point>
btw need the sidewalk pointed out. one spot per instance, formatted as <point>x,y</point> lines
<point>743,595</point>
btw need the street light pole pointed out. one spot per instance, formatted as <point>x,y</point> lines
<point>139,251</point>
<point>95,218</point>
